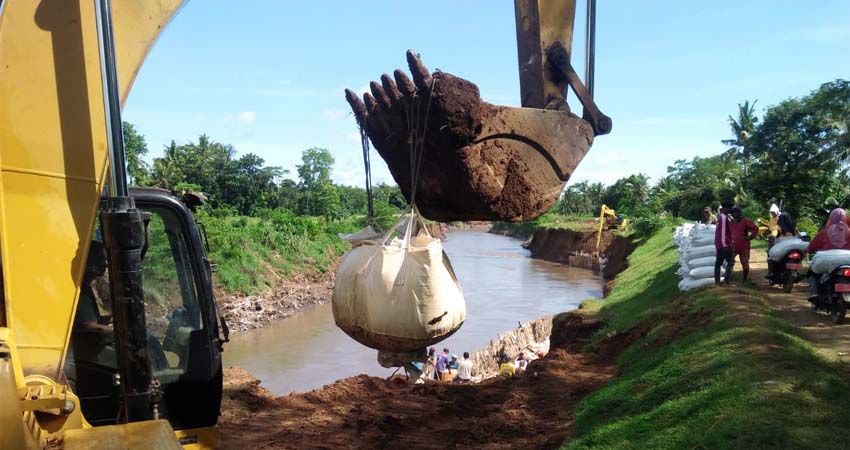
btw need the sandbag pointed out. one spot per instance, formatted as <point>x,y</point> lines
<point>690,283</point>
<point>396,294</point>
<point>825,261</point>
<point>701,240</point>
<point>702,272</point>
<point>785,245</point>
<point>702,252</point>
<point>702,262</point>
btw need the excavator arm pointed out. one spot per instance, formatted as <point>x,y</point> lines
<point>458,157</point>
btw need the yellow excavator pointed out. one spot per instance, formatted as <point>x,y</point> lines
<point>609,220</point>
<point>139,366</point>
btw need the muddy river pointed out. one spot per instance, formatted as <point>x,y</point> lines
<point>502,286</point>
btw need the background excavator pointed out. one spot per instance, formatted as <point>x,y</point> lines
<point>141,368</point>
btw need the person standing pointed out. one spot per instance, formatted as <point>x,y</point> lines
<point>835,236</point>
<point>708,216</point>
<point>442,363</point>
<point>464,369</point>
<point>724,245</point>
<point>744,230</point>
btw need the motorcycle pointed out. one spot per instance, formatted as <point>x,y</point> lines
<point>788,268</point>
<point>834,293</point>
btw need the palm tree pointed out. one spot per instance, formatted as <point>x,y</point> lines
<point>743,128</point>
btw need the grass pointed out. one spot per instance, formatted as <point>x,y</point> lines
<point>548,220</point>
<point>715,369</point>
<point>252,253</point>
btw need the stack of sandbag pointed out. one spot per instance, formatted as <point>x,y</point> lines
<point>825,261</point>
<point>398,293</point>
<point>784,245</point>
<point>696,255</point>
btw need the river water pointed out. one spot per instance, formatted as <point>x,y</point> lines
<point>502,285</point>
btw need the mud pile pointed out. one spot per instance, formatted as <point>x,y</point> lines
<point>529,411</point>
<point>479,161</point>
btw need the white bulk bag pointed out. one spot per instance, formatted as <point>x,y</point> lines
<point>702,272</point>
<point>359,238</point>
<point>702,262</point>
<point>702,252</point>
<point>690,283</point>
<point>825,261</point>
<point>398,294</point>
<point>785,245</point>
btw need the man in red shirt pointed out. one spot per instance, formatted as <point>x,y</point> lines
<point>743,231</point>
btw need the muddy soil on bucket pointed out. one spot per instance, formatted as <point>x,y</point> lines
<point>529,411</point>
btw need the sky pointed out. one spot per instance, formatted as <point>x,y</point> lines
<point>267,76</point>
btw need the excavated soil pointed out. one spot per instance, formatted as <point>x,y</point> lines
<point>533,410</point>
<point>562,246</point>
<point>463,176</point>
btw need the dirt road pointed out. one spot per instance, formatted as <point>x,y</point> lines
<point>830,339</point>
<point>534,410</point>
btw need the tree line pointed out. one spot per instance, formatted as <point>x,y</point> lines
<point>797,153</point>
<point>244,185</point>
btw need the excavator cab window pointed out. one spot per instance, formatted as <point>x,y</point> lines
<point>180,325</point>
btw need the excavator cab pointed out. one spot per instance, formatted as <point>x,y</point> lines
<point>182,328</point>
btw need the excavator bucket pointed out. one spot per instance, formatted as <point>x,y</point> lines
<point>460,158</point>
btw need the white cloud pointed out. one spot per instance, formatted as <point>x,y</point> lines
<point>227,118</point>
<point>248,117</point>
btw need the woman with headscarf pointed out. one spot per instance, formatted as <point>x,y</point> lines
<point>835,236</point>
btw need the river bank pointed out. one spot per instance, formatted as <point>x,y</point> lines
<point>291,295</point>
<point>711,368</point>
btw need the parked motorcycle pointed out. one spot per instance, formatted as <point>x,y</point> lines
<point>787,260</point>
<point>834,293</point>
<point>832,271</point>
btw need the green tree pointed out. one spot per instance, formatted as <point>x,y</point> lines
<point>315,175</point>
<point>797,150</point>
<point>135,148</point>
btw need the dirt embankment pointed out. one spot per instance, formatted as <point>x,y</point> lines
<point>578,249</point>
<point>533,410</point>
<point>294,294</point>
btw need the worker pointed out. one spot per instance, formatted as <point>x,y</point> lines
<point>88,317</point>
<point>521,363</point>
<point>92,332</point>
<point>464,369</point>
<point>828,206</point>
<point>744,230</point>
<point>431,364</point>
<point>708,216</point>
<point>506,366</point>
<point>724,245</point>
<point>835,236</point>
<point>443,363</point>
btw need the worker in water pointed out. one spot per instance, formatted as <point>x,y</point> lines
<point>708,216</point>
<point>744,230</point>
<point>724,245</point>
<point>835,236</point>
